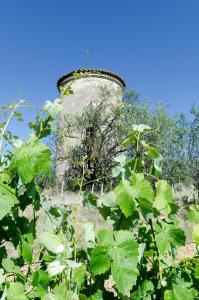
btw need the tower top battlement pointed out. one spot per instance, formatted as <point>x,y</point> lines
<point>91,73</point>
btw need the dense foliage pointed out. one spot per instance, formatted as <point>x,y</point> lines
<point>131,257</point>
<point>99,133</point>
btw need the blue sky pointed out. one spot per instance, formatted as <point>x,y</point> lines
<point>152,44</point>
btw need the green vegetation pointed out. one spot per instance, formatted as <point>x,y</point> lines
<point>99,132</point>
<point>132,257</point>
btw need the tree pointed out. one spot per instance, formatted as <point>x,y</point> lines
<point>98,133</point>
<point>193,147</point>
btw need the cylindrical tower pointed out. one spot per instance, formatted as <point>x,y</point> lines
<point>88,87</point>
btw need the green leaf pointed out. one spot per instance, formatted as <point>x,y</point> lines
<point>89,232</point>
<point>38,292</point>
<point>145,207</point>
<point>144,193</point>
<point>109,199</point>
<point>142,188</point>
<point>79,276</point>
<point>10,267</point>
<point>168,295</point>
<point>157,163</point>
<point>131,140</point>
<point>2,277</point>
<point>49,296</point>
<point>16,291</point>
<point>26,251</point>
<point>52,242</point>
<point>193,214</point>
<point>30,160</point>
<point>121,159</point>
<point>169,236</point>
<point>96,296</point>
<point>163,198</point>
<point>119,251</point>
<point>124,198</point>
<point>195,234</point>
<point>55,268</point>
<point>144,291</point>
<point>105,238</point>
<point>100,261</point>
<point>179,292</point>
<point>151,151</point>
<point>117,170</point>
<point>124,257</point>
<point>82,297</point>
<point>60,291</point>
<point>196,273</point>
<point>71,295</point>
<point>40,277</point>
<point>7,196</point>
<point>65,91</point>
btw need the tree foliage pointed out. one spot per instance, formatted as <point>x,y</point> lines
<point>100,130</point>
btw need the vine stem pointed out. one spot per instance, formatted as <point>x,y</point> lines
<point>6,125</point>
<point>75,246</point>
<point>156,247</point>
<point>14,109</point>
<point>137,150</point>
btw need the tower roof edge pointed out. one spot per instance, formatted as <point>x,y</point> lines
<point>90,72</point>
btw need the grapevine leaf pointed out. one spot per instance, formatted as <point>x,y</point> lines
<point>163,198</point>
<point>60,291</point>
<point>79,276</point>
<point>96,296</point>
<point>7,196</point>
<point>55,268</point>
<point>31,159</point>
<point>109,199</point>
<point>196,273</point>
<point>119,251</point>
<point>195,233</point>
<point>10,267</point>
<point>2,276</point>
<point>83,297</point>
<point>143,293</point>
<point>169,236</point>
<point>179,292</point>
<point>71,295</point>
<point>100,261</point>
<point>105,238</point>
<point>168,295</point>
<point>142,187</point>
<point>157,166</point>
<point>193,214</point>
<point>49,296</point>
<point>38,292</point>
<point>124,257</point>
<point>52,242</point>
<point>40,277</point>
<point>16,291</point>
<point>130,140</point>
<point>125,199</point>
<point>26,251</point>
<point>152,152</point>
<point>89,232</point>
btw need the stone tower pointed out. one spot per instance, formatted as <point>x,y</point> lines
<point>87,88</point>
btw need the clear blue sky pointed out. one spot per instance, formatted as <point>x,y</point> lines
<point>152,44</point>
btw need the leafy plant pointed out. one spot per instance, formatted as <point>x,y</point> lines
<point>131,257</point>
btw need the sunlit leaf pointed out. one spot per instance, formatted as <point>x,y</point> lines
<point>30,160</point>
